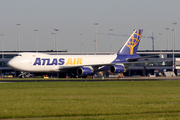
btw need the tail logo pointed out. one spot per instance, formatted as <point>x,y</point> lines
<point>134,41</point>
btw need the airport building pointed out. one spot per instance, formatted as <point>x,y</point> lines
<point>139,69</point>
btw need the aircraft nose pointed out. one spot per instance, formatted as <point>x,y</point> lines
<point>13,64</point>
<point>10,63</point>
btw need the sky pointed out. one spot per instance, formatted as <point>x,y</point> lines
<point>75,17</point>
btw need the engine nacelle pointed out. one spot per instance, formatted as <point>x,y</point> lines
<point>117,69</point>
<point>82,71</point>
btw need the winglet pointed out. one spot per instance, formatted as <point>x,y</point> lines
<point>131,45</point>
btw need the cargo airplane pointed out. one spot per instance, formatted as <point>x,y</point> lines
<point>81,65</point>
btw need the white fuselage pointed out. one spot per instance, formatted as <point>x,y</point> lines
<point>38,62</point>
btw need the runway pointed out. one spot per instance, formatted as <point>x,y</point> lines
<point>89,80</point>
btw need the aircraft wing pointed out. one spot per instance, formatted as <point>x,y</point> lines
<point>129,61</point>
<point>125,64</point>
<point>68,68</point>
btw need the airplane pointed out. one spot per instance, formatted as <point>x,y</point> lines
<point>81,65</point>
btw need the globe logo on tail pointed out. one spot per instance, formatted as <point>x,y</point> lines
<point>134,41</point>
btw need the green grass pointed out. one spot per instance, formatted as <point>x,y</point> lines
<point>91,100</point>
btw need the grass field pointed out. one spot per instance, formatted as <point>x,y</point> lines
<point>91,100</point>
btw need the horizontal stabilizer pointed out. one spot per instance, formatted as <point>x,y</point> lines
<point>135,59</point>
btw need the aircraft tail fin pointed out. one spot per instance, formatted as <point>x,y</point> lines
<point>131,45</point>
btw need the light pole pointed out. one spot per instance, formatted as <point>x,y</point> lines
<point>173,49</point>
<point>174,41</point>
<point>18,37</point>
<point>56,39</point>
<point>111,40</point>
<point>36,30</point>
<point>96,36</point>
<point>161,43</point>
<point>167,38</point>
<point>174,34</point>
<point>2,45</point>
<point>81,41</point>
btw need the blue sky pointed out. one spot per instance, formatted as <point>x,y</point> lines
<point>73,17</point>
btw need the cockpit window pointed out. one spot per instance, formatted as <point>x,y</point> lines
<point>19,55</point>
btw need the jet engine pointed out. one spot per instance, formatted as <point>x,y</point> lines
<point>117,69</point>
<point>83,71</point>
